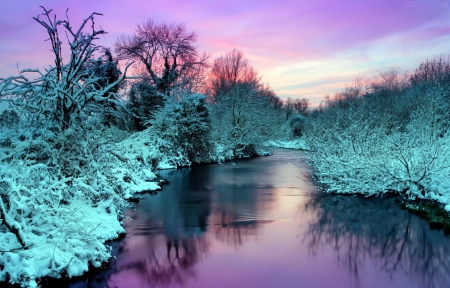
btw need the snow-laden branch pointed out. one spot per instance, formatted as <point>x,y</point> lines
<point>352,152</point>
<point>65,91</point>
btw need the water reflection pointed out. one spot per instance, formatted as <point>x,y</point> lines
<point>358,229</point>
<point>236,217</point>
<point>166,236</point>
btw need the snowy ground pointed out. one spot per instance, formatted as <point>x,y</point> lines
<point>56,225</point>
<point>299,144</point>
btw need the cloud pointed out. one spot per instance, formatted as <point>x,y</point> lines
<point>332,40</point>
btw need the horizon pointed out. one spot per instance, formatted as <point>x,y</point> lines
<point>301,49</point>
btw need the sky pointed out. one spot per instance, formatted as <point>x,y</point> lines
<point>302,48</point>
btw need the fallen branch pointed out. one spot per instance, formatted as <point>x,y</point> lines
<point>10,226</point>
<point>118,156</point>
<point>16,249</point>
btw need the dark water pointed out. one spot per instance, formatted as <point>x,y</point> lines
<point>258,223</point>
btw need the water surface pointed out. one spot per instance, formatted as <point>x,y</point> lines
<point>258,223</point>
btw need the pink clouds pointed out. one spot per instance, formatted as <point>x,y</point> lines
<point>272,34</point>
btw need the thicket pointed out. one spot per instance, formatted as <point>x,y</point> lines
<point>389,135</point>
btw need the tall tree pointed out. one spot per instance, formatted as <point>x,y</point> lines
<point>228,71</point>
<point>166,51</point>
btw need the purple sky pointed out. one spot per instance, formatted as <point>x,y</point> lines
<point>301,48</point>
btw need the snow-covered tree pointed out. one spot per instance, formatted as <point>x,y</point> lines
<point>166,53</point>
<point>64,92</point>
<point>243,119</point>
<point>184,126</point>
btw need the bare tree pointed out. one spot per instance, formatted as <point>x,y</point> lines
<point>299,106</point>
<point>166,51</point>
<point>228,71</point>
<point>432,72</point>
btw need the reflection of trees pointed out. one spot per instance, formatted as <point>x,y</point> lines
<point>229,229</point>
<point>377,229</point>
<point>236,216</point>
<point>174,266</point>
<point>172,230</point>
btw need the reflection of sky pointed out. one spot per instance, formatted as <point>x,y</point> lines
<point>301,48</point>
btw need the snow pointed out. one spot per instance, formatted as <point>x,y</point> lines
<point>369,157</point>
<point>64,221</point>
<point>297,143</point>
<point>73,239</point>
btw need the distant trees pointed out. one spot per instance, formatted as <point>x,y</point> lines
<point>296,106</point>
<point>393,137</point>
<point>166,53</point>
<point>65,91</point>
<point>294,112</point>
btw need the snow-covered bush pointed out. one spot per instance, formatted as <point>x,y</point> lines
<point>54,223</point>
<point>184,126</point>
<point>356,152</point>
<point>62,196</point>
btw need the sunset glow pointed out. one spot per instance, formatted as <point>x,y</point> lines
<point>300,48</point>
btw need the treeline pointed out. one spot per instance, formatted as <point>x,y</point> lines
<point>199,107</point>
<point>195,105</point>
<point>386,135</point>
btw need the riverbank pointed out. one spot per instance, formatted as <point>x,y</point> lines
<point>297,144</point>
<point>433,212</point>
<point>57,225</point>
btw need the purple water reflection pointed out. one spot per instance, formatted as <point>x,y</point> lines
<point>257,223</point>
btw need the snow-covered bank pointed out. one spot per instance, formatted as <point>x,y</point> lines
<point>55,224</point>
<point>369,157</point>
<point>298,144</point>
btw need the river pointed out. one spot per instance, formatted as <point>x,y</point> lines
<point>259,223</point>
